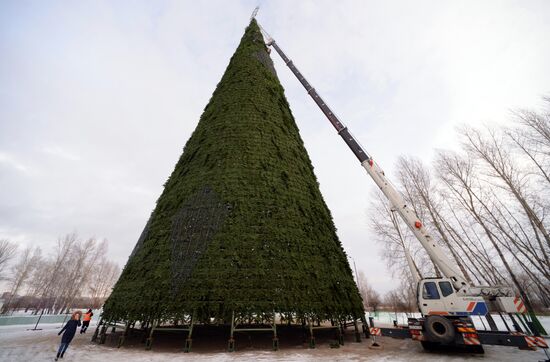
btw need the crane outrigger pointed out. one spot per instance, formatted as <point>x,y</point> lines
<point>446,303</point>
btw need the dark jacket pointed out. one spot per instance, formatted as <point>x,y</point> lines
<point>70,329</point>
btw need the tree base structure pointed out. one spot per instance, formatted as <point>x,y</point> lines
<point>239,333</point>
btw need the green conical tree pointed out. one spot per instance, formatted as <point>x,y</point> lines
<point>241,224</point>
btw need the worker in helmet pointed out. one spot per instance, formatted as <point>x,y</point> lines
<point>86,321</point>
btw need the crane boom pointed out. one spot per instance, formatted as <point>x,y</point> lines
<point>397,202</point>
<point>342,130</point>
<point>437,302</point>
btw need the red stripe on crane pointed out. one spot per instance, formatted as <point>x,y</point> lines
<point>520,306</point>
<point>541,342</point>
<point>531,342</point>
<point>471,341</point>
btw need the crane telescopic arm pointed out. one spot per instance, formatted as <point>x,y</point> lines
<point>396,200</point>
<point>339,126</point>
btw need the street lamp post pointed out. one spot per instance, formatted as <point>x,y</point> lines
<point>359,283</point>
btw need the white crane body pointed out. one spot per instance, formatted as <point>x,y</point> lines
<point>464,293</point>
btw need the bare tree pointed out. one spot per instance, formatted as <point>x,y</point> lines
<point>417,181</point>
<point>523,141</point>
<point>7,252</point>
<point>458,173</point>
<point>103,277</point>
<point>396,237</point>
<point>487,207</point>
<point>536,128</point>
<point>22,270</point>
<point>491,148</point>
<point>76,273</point>
<point>55,273</point>
<point>371,298</point>
<point>85,257</point>
<point>396,301</point>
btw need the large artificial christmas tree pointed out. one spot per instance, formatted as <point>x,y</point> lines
<point>241,226</point>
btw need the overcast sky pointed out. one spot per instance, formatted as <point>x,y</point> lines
<point>98,98</point>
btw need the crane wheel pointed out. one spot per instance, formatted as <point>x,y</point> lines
<point>439,329</point>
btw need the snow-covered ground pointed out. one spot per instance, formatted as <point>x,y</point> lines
<point>19,344</point>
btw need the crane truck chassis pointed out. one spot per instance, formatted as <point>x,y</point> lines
<point>447,304</point>
<point>440,333</point>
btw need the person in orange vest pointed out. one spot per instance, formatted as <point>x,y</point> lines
<point>86,321</point>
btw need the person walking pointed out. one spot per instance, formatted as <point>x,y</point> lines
<point>70,329</point>
<point>86,321</point>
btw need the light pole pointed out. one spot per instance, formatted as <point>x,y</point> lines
<point>359,283</point>
<point>356,275</point>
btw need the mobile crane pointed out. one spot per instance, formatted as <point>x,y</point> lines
<point>446,303</point>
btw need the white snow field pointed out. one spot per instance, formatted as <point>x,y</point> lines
<point>19,344</point>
